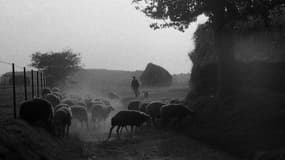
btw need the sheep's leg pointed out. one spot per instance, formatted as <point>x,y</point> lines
<point>132,131</point>
<point>94,122</point>
<point>67,128</point>
<point>121,130</point>
<point>64,130</point>
<point>126,128</point>
<point>118,133</point>
<point>153,121</point>
<point>61,131</point>
<point>87,124</point>
<point>177,122</point>
<point>165,123</point>
<point>110,132</point>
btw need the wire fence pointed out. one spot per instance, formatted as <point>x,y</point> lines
<point>18,84</point>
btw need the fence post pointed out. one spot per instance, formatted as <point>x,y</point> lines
<point>25,84</point>
<point>38,85</point>
<point>32,75</point>
<point>14,90</point>
<point>45,81</point>
<point>41,73</point>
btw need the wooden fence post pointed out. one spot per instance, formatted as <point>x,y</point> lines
<point>25,84</point>
<point>38,85</point>
<point>14,90</point>
<point>32,75</point>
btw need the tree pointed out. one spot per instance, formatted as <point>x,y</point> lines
<point>56,65</point>
<point>225,16</point>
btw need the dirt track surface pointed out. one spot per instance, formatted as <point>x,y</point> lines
<point>151,144</point>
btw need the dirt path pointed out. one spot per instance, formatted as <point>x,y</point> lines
<point>151,145</point>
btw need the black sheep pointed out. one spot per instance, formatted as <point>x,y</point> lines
<point>174,112</point>
<point>62,121</point>
<point>128,118</point>
<point>37,111</point>
<point>153,109</point>
<point>134,105</point>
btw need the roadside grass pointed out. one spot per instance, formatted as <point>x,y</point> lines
<point>18,140</point>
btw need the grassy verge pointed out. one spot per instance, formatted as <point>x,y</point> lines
<point>19,140</point>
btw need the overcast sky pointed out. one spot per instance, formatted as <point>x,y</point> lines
<point>109,34</point>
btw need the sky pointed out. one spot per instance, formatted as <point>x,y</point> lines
<point>108,34</point>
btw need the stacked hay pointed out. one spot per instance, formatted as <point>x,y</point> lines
<point>155,76</point>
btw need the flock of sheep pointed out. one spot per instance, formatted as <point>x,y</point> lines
<point>154,113</point>
<point>55,112</point>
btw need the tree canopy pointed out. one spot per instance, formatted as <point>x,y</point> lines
<point>56,65</point>
<point>180,13</point>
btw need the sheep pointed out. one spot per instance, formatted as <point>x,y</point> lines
<point>106,112</point>
<point>58,94</point>
<point>101,101</point>
<point>106,102</point>
<point>145,94</point>
<point>45,92</point>
<point>142,106</point>
<point>113,95</point>
<point>53,99</point>
<point>134,105</point>
<point>89,102</point>
<point>37,111</point>
<point>80,113</point>
<point>81,104</point>
<point>68,102</point>
<point>96,112</point>
<point>176,101</point>
<point>55,89</point>
<point>127,118</point>
<point>153,109</point>
<point>62,105</point>
<point>174,112</point>
<point>62,121</point>
<point>100,112</point>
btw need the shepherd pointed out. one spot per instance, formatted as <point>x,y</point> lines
<point>135,86</point>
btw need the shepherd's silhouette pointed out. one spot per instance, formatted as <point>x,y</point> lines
<point>135,86</point>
